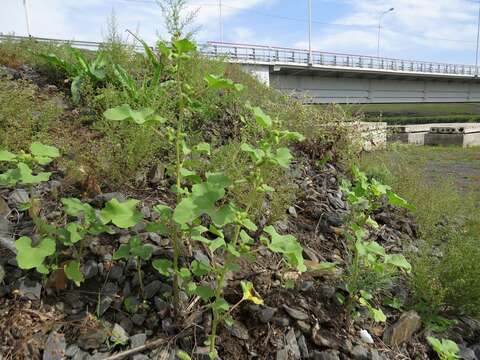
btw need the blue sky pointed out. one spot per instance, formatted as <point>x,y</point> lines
<point>437,30</point>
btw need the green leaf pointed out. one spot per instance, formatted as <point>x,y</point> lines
<point>249,293</point>
<point>72,271</point>
<point>200,268</point>
<point>75,207</point>
<point>399,261</point>
<point>44,151</point>
<point>283,157</point>
<point>288,246</point>
<point>7,156</point>
<point>216,244</point>
<point>124,215</point>
<point>158,228</point>
<point>221,306</point>
<point>203,148</point>
<point>261,118</point>
<point>219,82</point>
<point>74,235</point>
<point>163,266</point>
<point>29,257</point>
<point>76,88</point>
<point>123,252</point>
<point>184,46</point>
<point>375,248</point>
<point>24,175</point>
<point>378,315</point>
<point>140,250</point>
<point>205,292</point>
<point>118,113</point>
<point>182,355</point>
<point>396,200</point>
<point>163,210</point>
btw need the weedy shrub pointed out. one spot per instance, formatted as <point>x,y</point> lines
<point>445,349</point>
<point>24,115</point>
<point>370,268</point>
<point>207,195</point>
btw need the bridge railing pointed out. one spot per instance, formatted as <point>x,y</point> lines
<point>277,55</point>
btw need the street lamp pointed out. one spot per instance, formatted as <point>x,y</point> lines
<point>27,16</point>
<point>478,42</point>
<point>310,59</point>
<point>380,27</point>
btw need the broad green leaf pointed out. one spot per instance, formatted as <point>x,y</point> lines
<point>74,235</point>
<point>140,250</point>
<point>288,246</point>
<point>221,305</point>
<point>203,148</point>
<point>163,210</point>
<point>261,118</point>
<point>24,175</point>
<point>163,266</point>
<point>118,113</point>
<point>182,355</point>
<point>72,271</point>
<point>216,244</point>
<point>257,155</point>
<point>29,257</point>
<point>396,200</point>
<point>378,315</point>
<point>157,227</point>
<point>372,223</point>
<point>205,292</point>
<point>249,293</point>
<point>399,261</point>
<point>124,215</point>
<point>7,156</point>
<point>74,207</point>
<point>199,268</point>
<point>375,248</point>
<point>283,157</point>
<point>76,88</point>
<point>184,46</point>
<point>123,252</point>
<point>141,116</point>
<point>219,82</point>
<point>44,151</point>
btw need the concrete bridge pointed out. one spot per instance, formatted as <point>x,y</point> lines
<point>322,77</point>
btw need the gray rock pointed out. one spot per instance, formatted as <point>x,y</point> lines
<point>467,354</point>
<point>55,347</point>
<point>323,340</point>
<point>476,349</point>
<point>281,321</point>
<point>266,314</point>
<point>104,305</point>
<point>93,339</point>
<point>238,330</point>
<point>200,256</point>
<point>30,289</point>
<point>306,286</point>
<point>116,273</point>
<point>2,274</point>
<point>152,289</point>
<point>4,209</point>
<point>140,357</point>
<point>302,345</point>
<point>162,307</point>
<point>138,340</point>
<point>296,314</point>
<point>101,199</point>
<point>139,319</point>
<point>119,335</point>
<point>18,197</point>
<point>360,352</point>
<point>292,345</point>
<point>375,355</point>
<point>304,326</point>
<point>326,355</point>
<point>282,355</point>
<point>81,355</point>
<point>403,330</point>
<point>71,350</point>
<point>90,269</point>
<point>99,356</point>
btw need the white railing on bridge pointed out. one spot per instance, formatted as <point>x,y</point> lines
<point>254,54</point>
<point>278,55</point>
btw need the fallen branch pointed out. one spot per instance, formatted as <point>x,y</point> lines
<point>148,346</point>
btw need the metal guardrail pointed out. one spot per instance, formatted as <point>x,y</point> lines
<point>276,55</point>
<point>254,54</point>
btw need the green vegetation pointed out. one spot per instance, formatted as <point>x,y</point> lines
<point>445,349</point>
<point>445,269</point>
<point>404,114</point>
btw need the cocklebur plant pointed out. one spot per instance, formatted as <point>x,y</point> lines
<point>370,268</point>
<point>22,169</point>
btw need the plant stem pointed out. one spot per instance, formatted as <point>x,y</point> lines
<point>140,280</point>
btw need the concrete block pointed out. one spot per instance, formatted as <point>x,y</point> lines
<point>453,139</point>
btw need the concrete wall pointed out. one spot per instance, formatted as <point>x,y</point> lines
<point>320,89</point>
<point>261,72</point>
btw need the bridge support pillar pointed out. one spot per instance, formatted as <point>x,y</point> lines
<point>261,72</point>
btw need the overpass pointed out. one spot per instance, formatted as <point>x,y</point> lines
<point>323,77</point>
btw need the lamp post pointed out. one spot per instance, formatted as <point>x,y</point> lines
<point>478,42</point>
<point>310,58</point>
<point>27,16</point>
<point>220,12</point>
<point>380,28</point>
